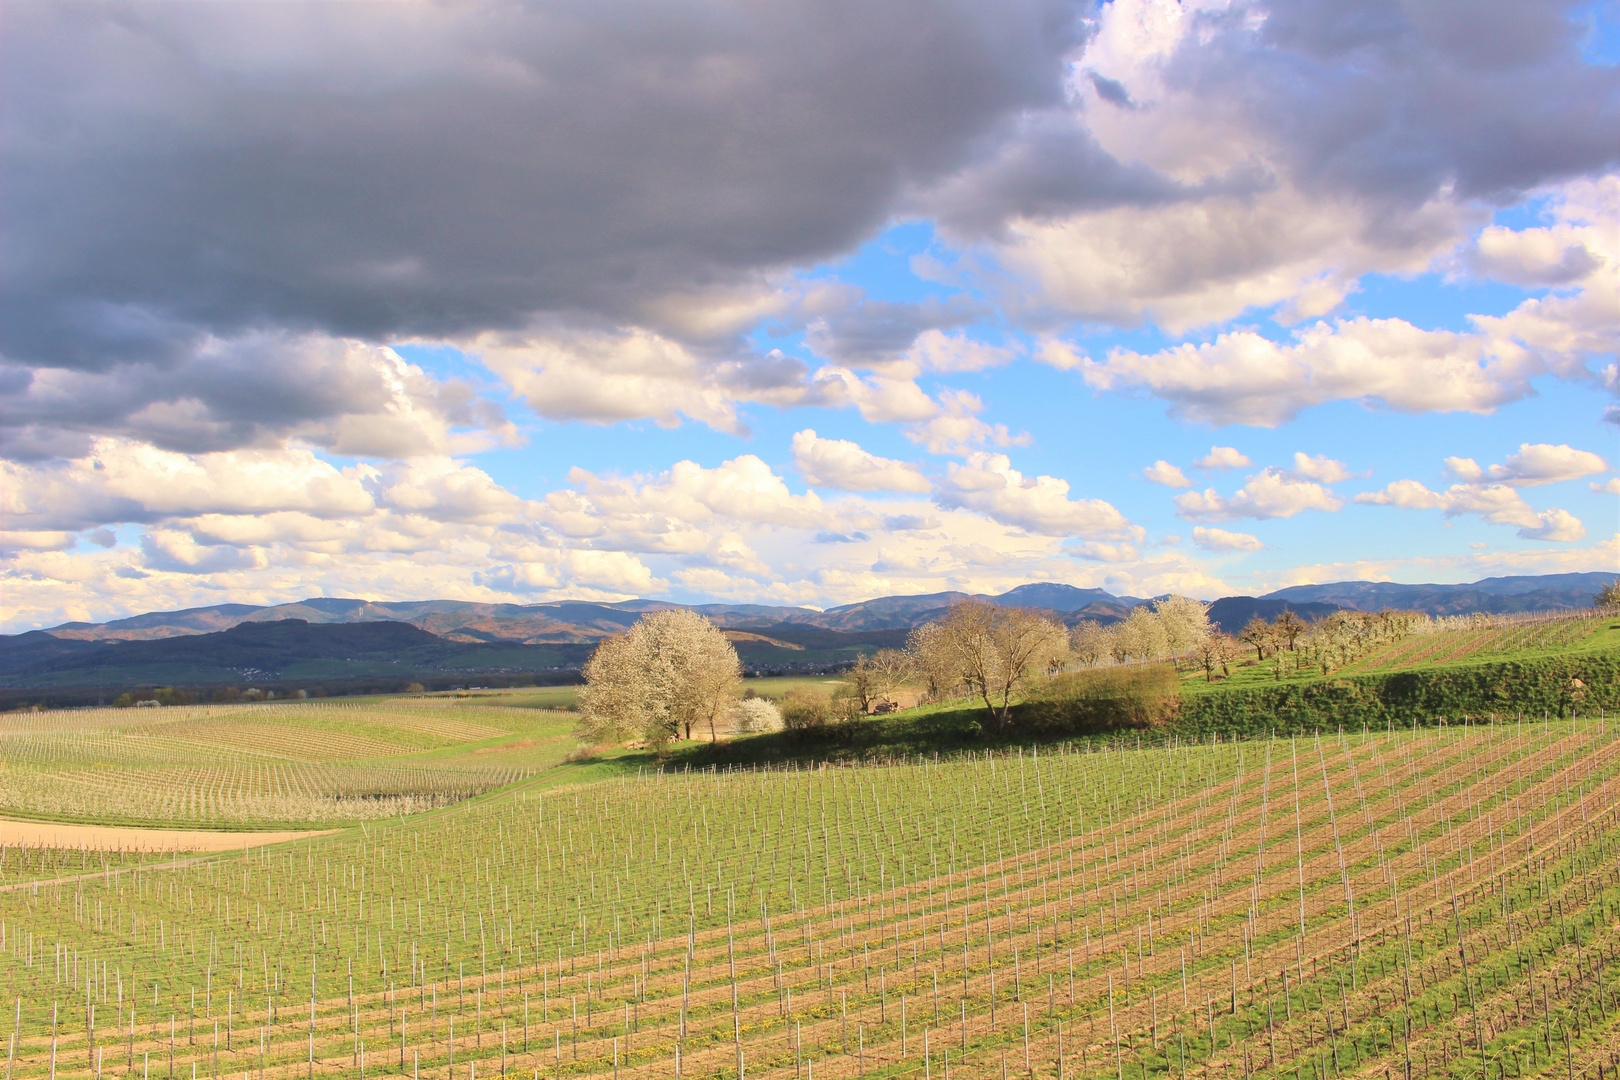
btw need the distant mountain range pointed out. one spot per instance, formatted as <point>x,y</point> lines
<point>336,639</point>
<point>1497,595</point>
<point>579,622</point>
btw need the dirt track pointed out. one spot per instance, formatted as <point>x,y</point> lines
<point>116,838</point>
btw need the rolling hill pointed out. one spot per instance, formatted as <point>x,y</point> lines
<point>314,638</point>
<point>296,652</point>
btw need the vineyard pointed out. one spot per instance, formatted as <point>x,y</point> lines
<point>259,765</point>
<point>1428,903</point>
<point>1456,640</point>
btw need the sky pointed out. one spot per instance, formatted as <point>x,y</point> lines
<point>801,302</point>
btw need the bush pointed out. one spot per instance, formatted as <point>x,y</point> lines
<point>1101,699</point>
<point>754,715</point>
<point>805,710</point>
<point>1535,687</point>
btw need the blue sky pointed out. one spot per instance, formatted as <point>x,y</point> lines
<point>1102,442</point>
<point>955,299</point>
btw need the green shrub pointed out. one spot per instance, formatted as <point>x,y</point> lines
<point>805,710</point>
<point>1100,699</point>
<point>1534,687</point>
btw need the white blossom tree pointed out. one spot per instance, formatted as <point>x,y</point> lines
<point>672,672</point>
<point>1089,640</point>
<point>1185,622</point>
<point>1142,635</point>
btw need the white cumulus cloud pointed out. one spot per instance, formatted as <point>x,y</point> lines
<point>1162,472</point>
<point>1496,503</point>
<point>988,484</point>
<point>1320,468</point>
<point>956,429</point>
<point>842,464</point>
<point>1224,457</point>
<point>121,480</point>
<point>1213,539</point>
<point>1270,493</point>
<point>1533,465</point>
<point>1243,377</point>
<point>609,375</point>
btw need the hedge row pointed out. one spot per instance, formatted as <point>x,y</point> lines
<point>1542,686</point>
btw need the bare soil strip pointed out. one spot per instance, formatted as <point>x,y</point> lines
<point>56,834</point>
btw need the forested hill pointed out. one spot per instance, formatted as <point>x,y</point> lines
<point>340,654</point>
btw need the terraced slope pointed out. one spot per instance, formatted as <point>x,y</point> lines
<point>1528,639</point>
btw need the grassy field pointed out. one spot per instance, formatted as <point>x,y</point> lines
<point>1438,902</point>
<point>269,765</point>
<point>567,697</point>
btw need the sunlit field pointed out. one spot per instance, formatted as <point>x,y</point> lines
<point>1438,902</point>
<point>268,764</point>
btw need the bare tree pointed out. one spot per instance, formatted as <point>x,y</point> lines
<point>1288,627</point>
<point>1256,634</point>
<point>674,670</point>
<point>1215,651</point>
<point>877,675</point>
<point>994,650</point>
<point>931,663</point>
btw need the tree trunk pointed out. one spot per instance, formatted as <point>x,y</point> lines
<point>994,726</point>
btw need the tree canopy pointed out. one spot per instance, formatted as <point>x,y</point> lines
<point>993,650</point>
<point>673,671</point>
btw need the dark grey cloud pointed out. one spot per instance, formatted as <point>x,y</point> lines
<point>175,172</point>
<point>199,199</point>
<point>878,331</point>
<point>1395,101</point>
<point>1112,91</point>
<point>1401,100</point>
<point>1043,164</point>
<point>258,390</point>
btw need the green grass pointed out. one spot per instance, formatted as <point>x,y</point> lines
<point>567,697</point>
<point>1147,900</point>
<point>781,685</point>
<point>1429,652</point>
<point>272,765</point>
